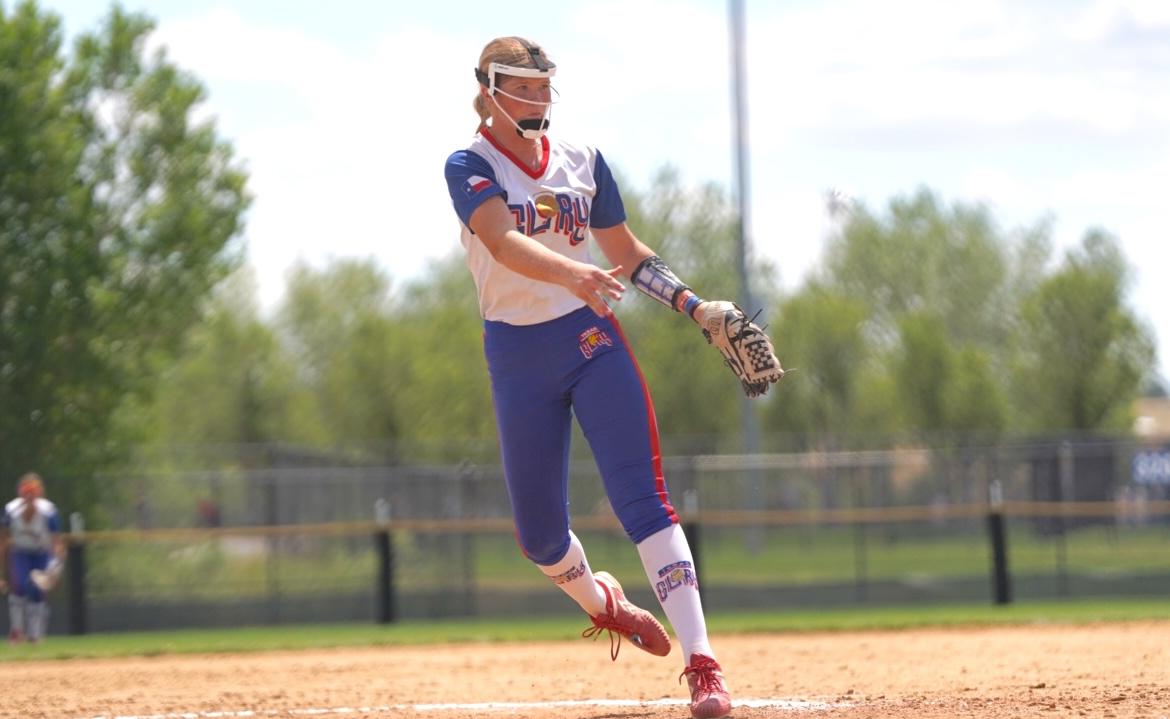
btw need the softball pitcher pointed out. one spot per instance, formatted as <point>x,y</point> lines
<point>30,530</point>
<point>527,205</point>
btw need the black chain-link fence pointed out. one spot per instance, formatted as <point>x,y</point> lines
<point>300,542</point>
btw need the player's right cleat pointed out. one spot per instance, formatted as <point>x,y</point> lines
<point>14,636</point>
<point>626,620</point>
<point>709,695</point>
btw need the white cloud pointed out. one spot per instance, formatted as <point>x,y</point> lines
<point>1105,17</point>
<point>357,173</point>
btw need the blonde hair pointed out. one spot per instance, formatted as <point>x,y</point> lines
<point>512,51</point>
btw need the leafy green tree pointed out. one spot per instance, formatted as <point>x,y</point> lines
<point>821,334</point>
<point>949,294</point>
<point>232,384</point>
<point>977,398</point>
<point>923,369</point>
<point>943,386</point>
<point>953,262</point>
<point>117,215</point>
<point>1082,354</point>
<point>959,310</point>
<point>337,325</point>
<point>438,347</point>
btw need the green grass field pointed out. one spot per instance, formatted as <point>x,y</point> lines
<point>271,638</point>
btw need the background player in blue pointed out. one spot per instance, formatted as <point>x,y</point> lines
<point>30,532</point>
<point>554,351</point>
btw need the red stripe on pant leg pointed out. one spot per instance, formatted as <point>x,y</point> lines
<point>655,446</point>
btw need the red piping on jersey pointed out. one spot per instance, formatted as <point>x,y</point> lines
<point>534,174</point>
<point>655,447</point>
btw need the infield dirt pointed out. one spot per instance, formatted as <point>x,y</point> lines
<point>1100,670</point>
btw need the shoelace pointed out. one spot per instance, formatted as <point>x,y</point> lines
<point>604,623</point>
<point>704,671</point>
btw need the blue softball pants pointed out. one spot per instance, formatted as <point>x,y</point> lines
<point>541,376</point>
<point>21,563</point>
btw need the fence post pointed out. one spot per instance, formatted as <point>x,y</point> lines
<point>1000,580</point>
<point>860,544</point>
<point>75,563</point>
<point>385,549</point>
<point>1067,490</point>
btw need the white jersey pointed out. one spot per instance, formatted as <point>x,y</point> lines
<point>556,206</point>
<point>36,534</point>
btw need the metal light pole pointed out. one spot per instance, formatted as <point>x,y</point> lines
<point>742,181</point>
<point>751,432</point>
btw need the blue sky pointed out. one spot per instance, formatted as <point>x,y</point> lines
<point>344,113</point>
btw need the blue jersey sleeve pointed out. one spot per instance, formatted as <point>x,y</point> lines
<point>607,209</point>
<point>54,522</point>
<point>470,181</point>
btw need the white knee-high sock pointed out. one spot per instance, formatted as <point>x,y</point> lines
<point>670,567</point>
<point>573,576</point>
<point>16,609</point>
<point>36,620</point>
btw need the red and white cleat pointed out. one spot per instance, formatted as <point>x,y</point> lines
<point>709,695</point>
<point>626,620</point>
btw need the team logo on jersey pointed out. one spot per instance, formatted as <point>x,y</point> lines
<point>592,340</point>
<point>673,576</point>
<point>561,213</point>
<point>546,206</point>
<point>475,183</point>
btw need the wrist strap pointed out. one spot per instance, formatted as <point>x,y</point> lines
<point>691,304</point>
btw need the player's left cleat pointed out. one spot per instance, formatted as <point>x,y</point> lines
<point>626,620</point>
<point>709,695</point>
<point>14,637</point>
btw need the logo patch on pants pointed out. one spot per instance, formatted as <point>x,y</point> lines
<point>593,339</point>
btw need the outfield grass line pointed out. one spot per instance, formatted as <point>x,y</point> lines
<point>786,704</point>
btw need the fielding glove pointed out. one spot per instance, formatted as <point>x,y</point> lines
<point>744,346</point>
